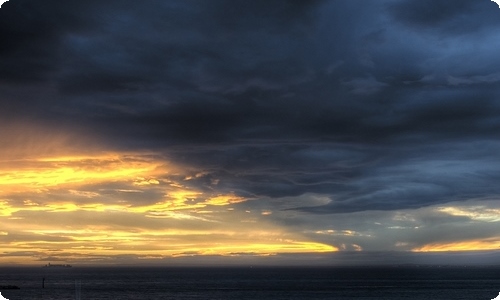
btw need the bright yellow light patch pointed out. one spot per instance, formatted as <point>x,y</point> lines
<point>95,207</point>
<point>50,172</point>
<point>168,243</point>
<point>140,181</point>
<point>224,200</point>
<point>6,209</point>
<point>267,248</point>
<point>488,244</point>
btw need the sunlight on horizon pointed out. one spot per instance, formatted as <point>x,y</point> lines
<point>76,206</point>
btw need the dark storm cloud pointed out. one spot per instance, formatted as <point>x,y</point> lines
<point>378,106</point>
<point>32,34</point>
<point>459,17</point>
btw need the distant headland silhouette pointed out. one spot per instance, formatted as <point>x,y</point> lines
<point>49,265</point>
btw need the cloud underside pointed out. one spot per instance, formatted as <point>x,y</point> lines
<point>109,206</point>
<point>237,127</point>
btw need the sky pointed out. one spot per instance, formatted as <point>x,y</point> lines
<point>233,131</point>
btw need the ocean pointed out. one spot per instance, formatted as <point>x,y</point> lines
<point>262,283</point>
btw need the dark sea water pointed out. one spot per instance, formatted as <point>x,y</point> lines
<point>121,283</point>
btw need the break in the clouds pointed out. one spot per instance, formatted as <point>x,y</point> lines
<point>185,128</point>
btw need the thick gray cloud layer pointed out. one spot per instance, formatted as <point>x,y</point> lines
<point>383,105</point>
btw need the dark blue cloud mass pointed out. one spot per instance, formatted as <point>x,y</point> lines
<point>377,106</point>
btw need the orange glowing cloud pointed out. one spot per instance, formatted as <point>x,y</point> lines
<point>487,244</point>
<point>108,240</point>
<point>49,172</point>
<point>85,221</point>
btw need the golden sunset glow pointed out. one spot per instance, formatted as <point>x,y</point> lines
<point>49,172</point>
<point>486,244</point>
<point>95,206</point>
<point>477,214</point>
<point>91,208</point>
